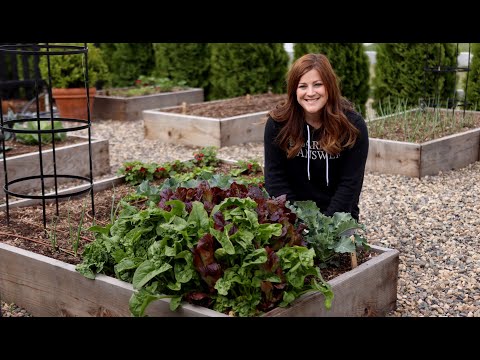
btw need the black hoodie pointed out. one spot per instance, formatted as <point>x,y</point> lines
<point>333,182</point>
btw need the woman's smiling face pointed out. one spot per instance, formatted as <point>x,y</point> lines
<point>311,93</point>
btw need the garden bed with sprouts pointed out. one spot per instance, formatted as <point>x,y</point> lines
<point>209,232</point>
<point>418,142</point>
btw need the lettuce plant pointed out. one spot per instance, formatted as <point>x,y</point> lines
<point>234,250</point>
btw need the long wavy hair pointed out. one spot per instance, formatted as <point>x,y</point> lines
<point>336,131</point>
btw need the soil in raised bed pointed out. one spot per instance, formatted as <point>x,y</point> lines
<point>230,107</point>
<point>18,148</point>
<point>423,125</point>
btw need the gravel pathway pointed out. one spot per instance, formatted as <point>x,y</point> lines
<point>434,222</point>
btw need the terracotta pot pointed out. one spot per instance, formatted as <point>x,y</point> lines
<point>72,103</point>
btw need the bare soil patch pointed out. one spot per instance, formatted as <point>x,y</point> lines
<point>230,107</point>
<point>18,148</point>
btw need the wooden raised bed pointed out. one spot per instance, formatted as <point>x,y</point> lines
<point>130,108</point>
<point>216,130</point>
<point>70,160</point>
<point>48,287</point>
<point>421,159</point>
<point>203,131</point>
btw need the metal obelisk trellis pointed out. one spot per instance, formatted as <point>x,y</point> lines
<point>437,70</point>
<point>40,176</point>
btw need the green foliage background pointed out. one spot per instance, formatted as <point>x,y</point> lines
<point>400,74</point>
<point>237,69</point>
<point>67,71</point>
<point>127,61</point>
<point>189,62</point>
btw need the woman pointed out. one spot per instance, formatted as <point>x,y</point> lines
<point>316,144</point>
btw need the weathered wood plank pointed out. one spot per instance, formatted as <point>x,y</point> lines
<point>181,129</point>
<point>130,108</point>
<point>450,152</point>
<point>70,160</point>
<point>203,131</point>
<point>393,157</point>
<point>242,129</point>
<point>48,287</point>
<point>368,290</point>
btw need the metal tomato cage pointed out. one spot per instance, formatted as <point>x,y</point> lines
<point>43,87</point>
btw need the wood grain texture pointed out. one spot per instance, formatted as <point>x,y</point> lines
<point>203,131</point>
<point>48,287</point>
<point>450,152</point>
<point>181,129</point>
<point>242,129</point>
<point>69,160</point>
<point>130,108</point>
<point>393,157</point>
<point>368,290</point>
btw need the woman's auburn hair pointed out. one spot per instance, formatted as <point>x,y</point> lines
<point>337,131</point>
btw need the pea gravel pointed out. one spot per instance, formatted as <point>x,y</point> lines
<point>434,222</point>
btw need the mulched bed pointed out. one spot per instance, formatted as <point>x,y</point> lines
<point>230,107</point>
<point>18,148</point>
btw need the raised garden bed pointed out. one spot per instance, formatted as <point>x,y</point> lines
<point>130,108</point>
<point>37,267</point>
<point>212,123</point>
<point>70,160</point>
<point>419,159</point>
<point>49,287</point>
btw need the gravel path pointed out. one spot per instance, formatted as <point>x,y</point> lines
<point>434,222</point>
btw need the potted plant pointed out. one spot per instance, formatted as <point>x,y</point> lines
<point>68,79</point>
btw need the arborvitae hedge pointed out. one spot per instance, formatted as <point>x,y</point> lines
<point>473,89</point>
<point>400,76</point>
<point>67,70</point>
<point>189,62</point>
<point>238,69</point>
<point>127,61</point>
<point>351,65</point>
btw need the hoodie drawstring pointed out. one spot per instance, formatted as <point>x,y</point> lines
<point>308,152</point>
<point>308,158</point>
<point>326,171</point>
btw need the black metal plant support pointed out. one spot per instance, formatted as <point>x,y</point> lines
<point>437,70</point>
<point>47,50</point>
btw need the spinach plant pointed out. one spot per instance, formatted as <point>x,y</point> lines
<point>231,249</point>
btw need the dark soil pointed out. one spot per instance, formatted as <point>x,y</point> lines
<point>230,107</point>
<point>18,148</point>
